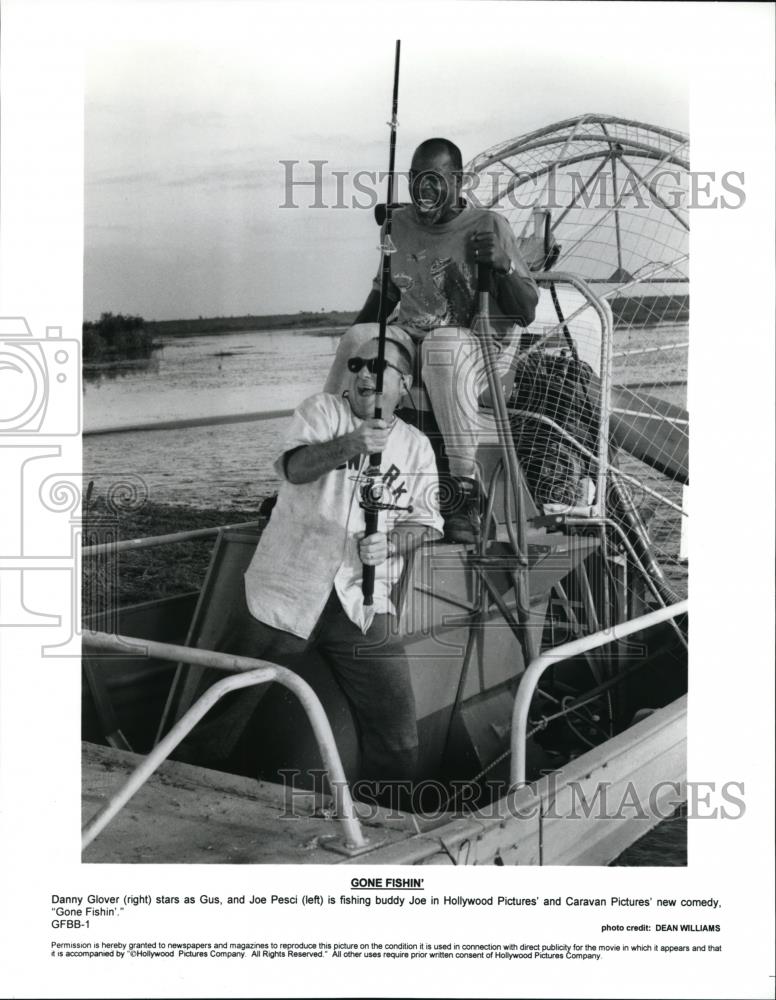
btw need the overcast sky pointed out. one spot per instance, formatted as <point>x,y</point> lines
<point>191,107</point>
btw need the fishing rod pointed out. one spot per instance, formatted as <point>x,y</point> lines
<point>372,490</point>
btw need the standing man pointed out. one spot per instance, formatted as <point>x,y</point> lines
<point>440,239</point>
<point>303,586</point>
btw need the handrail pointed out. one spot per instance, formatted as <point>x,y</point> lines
<point>550,657</point>
<point>150,541</point>
<point>182,422</point>
<point>250,671</point>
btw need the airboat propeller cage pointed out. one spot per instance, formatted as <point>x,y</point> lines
<point>609,195</point>
<point>616,189</point>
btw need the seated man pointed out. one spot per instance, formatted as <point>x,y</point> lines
<point>303,586</point>
<point>440,240</point>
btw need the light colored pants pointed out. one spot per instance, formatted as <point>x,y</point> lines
<point>452,369</point>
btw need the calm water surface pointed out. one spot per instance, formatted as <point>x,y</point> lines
<point>197,377</point>
<point>230,466</point>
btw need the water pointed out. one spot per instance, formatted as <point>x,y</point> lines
<point>661,373</point>
<point>230,466</point>
<point>218,467</point>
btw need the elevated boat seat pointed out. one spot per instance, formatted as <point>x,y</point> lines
<point>585,329</point>
<point>585,334</point>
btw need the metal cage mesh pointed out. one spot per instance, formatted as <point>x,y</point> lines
<point>604,198</point>
<point>615,190</point>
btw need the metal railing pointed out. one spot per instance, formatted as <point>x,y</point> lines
<point>604,312</point>
<point>180,423</point>
<point>151,541</point>
<point>530,679</point>
<point>249,672</point>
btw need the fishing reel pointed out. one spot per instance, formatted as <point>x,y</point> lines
<point>371,492</point>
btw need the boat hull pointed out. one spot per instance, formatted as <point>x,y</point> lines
<point>191,815</point>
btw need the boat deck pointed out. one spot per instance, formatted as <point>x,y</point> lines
<point>187,814</point>
<point>198,816</point>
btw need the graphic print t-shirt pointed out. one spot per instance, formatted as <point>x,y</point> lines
<point>435,270</point>
<point>310,544</point>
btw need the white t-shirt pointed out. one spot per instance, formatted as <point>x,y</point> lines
<point>310,543</point>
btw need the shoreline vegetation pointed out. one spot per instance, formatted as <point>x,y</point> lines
<point>129,341</point>
<point>204,326</point>
<point>118,340</point>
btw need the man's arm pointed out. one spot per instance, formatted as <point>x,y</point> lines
<point>309,462</point>
<point>517,294</point>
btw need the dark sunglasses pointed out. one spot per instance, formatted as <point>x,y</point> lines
<point>372,365</point>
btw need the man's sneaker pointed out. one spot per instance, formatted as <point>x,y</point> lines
<point>463,518</point>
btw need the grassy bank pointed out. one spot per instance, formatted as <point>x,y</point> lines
<point>147,574</point>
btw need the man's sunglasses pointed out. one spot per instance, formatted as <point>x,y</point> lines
<point>372,365</point>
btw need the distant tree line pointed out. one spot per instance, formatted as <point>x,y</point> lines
<point>116,338</point>
<point>232,324</point>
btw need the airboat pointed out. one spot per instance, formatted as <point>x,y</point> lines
<point>549,662</point>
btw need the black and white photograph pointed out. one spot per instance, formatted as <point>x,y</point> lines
<point>349,518</point>
<point>479,471</point>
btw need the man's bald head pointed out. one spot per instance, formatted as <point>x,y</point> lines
<point>436,177</point>
<point>434,152</point>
